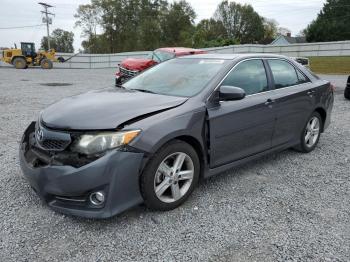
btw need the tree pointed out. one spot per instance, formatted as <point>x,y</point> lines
<point>178,24</point>
<point>130,25</point>
<point>240,21</point>
<point>96,45</point>
<point>209,32</point>
<point>331,24</point>
<point>60,40</point>
<point>88,19</point>
<point>270,31</point>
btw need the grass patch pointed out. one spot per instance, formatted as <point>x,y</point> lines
<point>330,64</point>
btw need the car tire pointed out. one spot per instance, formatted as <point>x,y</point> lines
<point>166,183</point>
<point>311,133</point>
<point>46,63</point>
<point>20,63</point>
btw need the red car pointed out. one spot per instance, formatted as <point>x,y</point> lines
<point>132,66</point>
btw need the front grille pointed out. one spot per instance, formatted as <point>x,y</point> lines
<point>52,140</point>
<point>55,145</point>
<point>127,73</point>
<point>38,156</point>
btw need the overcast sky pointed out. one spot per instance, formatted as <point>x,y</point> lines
<point>292,14</point>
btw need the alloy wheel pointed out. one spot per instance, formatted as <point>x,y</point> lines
<point>174,177</point>
<point>312,131</point>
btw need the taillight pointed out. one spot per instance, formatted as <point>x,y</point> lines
<point>118,71</point>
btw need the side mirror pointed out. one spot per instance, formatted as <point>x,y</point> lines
<point>229,93</point>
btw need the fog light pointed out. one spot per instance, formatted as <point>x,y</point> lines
<point>97,198</point>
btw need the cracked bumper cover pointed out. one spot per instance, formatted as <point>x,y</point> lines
<point>116,173</point>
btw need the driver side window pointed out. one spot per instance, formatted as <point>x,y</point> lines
<point>250,76</point>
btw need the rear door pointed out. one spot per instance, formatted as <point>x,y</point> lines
<point>242,128</point>
<point>294,98</point>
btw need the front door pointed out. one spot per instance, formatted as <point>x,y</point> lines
<point>238,129</point>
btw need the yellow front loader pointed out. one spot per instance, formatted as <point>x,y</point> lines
<point>27,56</point>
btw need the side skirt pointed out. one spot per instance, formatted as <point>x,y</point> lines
<point>214,171</point>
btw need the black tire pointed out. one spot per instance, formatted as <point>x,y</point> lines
<point>347,93</point>
<point>303,146</point>
<point>148,177</point>
<point>46,63</point>
<point>20,63</point>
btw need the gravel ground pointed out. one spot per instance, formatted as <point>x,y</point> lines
<point>284,207</point>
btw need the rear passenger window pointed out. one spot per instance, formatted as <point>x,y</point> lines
<point>283,73</point>
<point>250,76</point>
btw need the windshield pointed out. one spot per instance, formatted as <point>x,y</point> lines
<point>161,56</point>
<point>177,77</point>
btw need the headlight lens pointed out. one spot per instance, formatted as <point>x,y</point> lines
<point>98,143</point>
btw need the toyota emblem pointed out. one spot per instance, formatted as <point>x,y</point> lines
<point>40,134</point>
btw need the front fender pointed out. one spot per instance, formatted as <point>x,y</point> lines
<point>166,126</point>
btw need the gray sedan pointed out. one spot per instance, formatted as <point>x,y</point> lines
<point>151,141</point>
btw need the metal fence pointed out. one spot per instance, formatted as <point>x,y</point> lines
<point>341,48</point>
<point>93,61</point>
<point>98,60</point>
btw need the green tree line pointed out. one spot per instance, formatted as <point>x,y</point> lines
<point>129,25</point>
<point>331,24</point>
<point>60,40</point>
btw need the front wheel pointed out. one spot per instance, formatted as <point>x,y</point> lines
<point>170,177</point>
<point>311,133</point>
<point>46,64</point>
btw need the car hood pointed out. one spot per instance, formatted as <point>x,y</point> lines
<point>105,109</point>
<point>137,64</point>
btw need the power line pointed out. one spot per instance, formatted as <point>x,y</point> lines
<point>25,26</point>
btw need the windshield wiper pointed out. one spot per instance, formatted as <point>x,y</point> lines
<point>144,90</point>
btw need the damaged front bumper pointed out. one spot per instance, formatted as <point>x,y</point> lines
<point>66,188</point>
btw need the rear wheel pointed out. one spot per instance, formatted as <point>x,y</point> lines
<point>170,176</point>
<point>46,64</point>
<point>311,133</point>
<point>19,63</point>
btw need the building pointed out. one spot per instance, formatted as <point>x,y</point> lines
<point>288,40</point>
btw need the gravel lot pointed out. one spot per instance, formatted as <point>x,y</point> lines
<point>284,207</point>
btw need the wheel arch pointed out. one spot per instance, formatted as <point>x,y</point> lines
<point>193,142</point>
<point>323,114</point>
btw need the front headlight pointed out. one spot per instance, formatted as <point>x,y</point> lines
<point>98,143</point>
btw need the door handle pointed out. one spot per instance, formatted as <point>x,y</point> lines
<point>269,102</point>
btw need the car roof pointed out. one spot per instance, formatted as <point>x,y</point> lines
<point>234,56</point>
<point>179,49</point>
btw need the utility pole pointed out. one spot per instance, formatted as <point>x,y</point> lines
<point>47,20</point>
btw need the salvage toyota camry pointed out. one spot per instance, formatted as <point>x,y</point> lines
<point>150,141</point>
